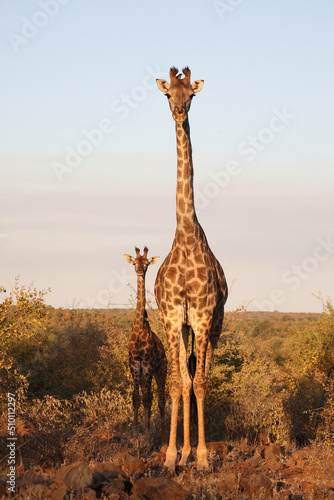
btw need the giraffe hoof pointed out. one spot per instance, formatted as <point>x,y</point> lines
<point>170,465</point>
<point>202,465</point>
<point>186,453</point>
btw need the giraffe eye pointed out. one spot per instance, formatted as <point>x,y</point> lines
<point>168,96</point>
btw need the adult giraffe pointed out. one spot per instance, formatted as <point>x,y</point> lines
<point>190,287</point>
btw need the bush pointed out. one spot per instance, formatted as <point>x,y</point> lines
<point>22,315</point>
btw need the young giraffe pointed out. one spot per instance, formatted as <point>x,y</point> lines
<point>190,287</point>
<point>146,353</point>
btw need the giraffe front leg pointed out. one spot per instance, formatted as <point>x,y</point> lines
<point>171,454</point>
<point>200,389</point>
<point>200,385</point>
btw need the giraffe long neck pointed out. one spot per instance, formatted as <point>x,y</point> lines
<point>185,209</point>
<point>140,308</point>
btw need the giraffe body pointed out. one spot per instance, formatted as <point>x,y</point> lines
<point>190,287</point>
<point>146,353</point>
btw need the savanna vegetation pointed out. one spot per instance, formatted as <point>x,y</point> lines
<point>272,379</point>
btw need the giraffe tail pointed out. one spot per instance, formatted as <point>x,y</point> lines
<point>192,371</point>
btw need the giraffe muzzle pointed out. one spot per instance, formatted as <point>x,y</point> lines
<point>179,116</point>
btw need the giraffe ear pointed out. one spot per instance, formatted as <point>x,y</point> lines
<point>129,258</point>
<point>153,260</point>
<point>197,85</point>
<point>163,85</point>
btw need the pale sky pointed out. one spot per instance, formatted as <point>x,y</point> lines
<point>88,155</point>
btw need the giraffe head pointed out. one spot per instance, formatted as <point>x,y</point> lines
<point>141,262</point>
<point>179,92</point>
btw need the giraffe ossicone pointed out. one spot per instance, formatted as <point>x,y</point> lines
<point>190,287</point>
<point>146,353</point>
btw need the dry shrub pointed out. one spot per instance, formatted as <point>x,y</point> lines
<point>72,429</point>
<point>48,420</point>
<point>257,403</point>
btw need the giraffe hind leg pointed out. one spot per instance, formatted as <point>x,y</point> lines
<point>175,390</point>
<point>136,375</point>
<point>160,378</point>
<point>136,404</point>
<point>186,388</point>
<point>200,385</point>
<point>147,400</point>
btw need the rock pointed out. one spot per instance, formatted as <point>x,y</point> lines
<point>117,484</point>
<point>75,476</point>
<point>271,450</point>
<point>274,465</point>
<point>228,483</point>
<point>245,448</point>
<point>257,484</point>
<point>158,457</point>
<point>121,456</point>
<point>58,494</point>
<point>219,447</point>
<point>108,467</point>
<point>87,494</point>
<point>300,455</point>
<point>156,488</point>
<point>129,464</point>
<point>308,487</point>
<point>114,493</point>
<point>285,495</point>
<point>291,472</point>
<point>290,462</point>
<point>102,477</point>
<point>133,467</point>
<point>271,457</point>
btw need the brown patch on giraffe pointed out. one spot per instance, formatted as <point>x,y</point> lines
<point>189,208</point>
<point>171,274</point>
<point>181,281</point>
<point>186,191</point>
<point>193,287</point>
<point>198,257</point>
<point>175,256</point>
<point>178,301</point>
<point>191,241</point>
<point>201,274</point>
<point>190,274</point>
<point>201,302</point>
<point>188,227</point>
<point>179,187</point>
<point>185,174</point>
<point>181,205</point>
